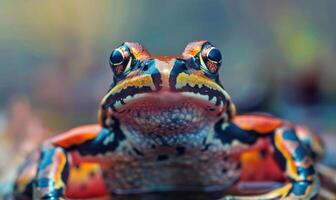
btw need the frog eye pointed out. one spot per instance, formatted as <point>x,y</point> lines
<point>120,60</point>
<point>211,59</point>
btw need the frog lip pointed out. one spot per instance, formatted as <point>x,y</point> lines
<point>213,99</point>
<point>164,99</point>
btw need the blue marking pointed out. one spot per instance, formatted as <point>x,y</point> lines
<point>306,171</point>
<point>149,67</point>
<point>46,158</point>
<point>297,155</point>
<point>53,194</point>
<point>45,161</point>
<point>300,188</point>
<point>44,182</point>
<point>289,134</point>
<point>300,152</point>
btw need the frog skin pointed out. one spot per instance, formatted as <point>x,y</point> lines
<point>168,124</point>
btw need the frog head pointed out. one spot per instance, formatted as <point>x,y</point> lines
<point>165,94</point>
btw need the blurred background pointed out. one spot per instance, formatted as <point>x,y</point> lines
<point>279,57</point>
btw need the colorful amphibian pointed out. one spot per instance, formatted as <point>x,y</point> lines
<point>167,124</point>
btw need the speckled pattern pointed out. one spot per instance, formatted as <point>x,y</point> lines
<point>171,172</point>
<point>146,142</point>
<point>169,120</point>
<point>150,162</point>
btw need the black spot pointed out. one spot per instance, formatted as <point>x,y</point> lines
<point>77,166</point>
<point>239,165</point>
<point>105,174</point>
<point>138,152</point>
<point>162,157</point>
<point>162,139</point>
<point>263,153</point>
<point>145,66</point>
<point>153,146</point>
<point>92,174</point>
<point>224,170</point>
<point>206,147</point>
<point>180,150</point>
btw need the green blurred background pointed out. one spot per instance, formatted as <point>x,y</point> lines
<point>279,57</point>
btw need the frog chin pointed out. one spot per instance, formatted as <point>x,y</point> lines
<point>167,114</point>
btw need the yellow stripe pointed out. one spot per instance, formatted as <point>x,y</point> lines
<point>139,81</point>
<point>58,174</point>
<point>291,167</point>
<point>183,79</point>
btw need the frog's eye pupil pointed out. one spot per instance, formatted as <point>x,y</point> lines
<point>215,55</point>
<point>116,57</point>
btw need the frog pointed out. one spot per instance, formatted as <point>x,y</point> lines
<point>167,124</point>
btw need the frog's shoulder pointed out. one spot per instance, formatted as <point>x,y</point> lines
<point>76,136</point>
<point>260,122</point>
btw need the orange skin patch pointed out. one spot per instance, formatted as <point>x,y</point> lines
<point>61,160</point>
<point>258,164</point>
<point>138,51</point>
<point>85,181</point>
<point>76,136</point>
<point>193,48</point>
<point>259,123</point>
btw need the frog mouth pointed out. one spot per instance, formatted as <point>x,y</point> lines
<point>167,113</point>
<point>168,100</point>
<point>118,101</point>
